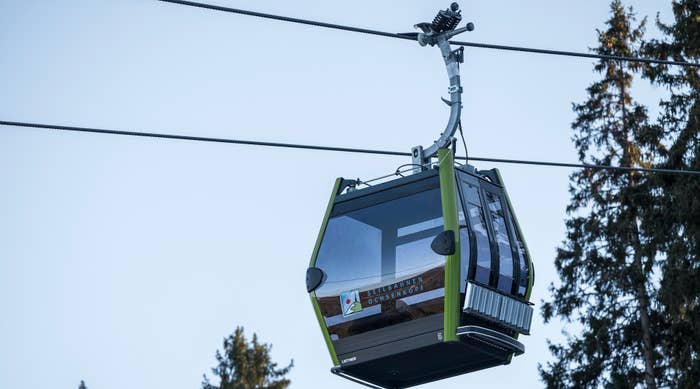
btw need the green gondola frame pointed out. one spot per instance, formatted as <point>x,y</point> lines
<point>396,328</point>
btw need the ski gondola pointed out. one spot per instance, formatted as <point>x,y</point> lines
<point>425,276</point>
<point>421,278</point>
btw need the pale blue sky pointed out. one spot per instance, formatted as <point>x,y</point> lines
<point>125,261</point>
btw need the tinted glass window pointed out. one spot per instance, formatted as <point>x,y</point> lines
<point>465,257</point>
<point>505,255</point>
<point>380,269</point>
<point>524,268</point>
<point>477,222</point>
<point>350,254</point>
<point>521,261</point>
<point>464,242</point>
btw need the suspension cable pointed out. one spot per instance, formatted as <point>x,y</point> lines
<point>334,148</point>
<point>413,37</point>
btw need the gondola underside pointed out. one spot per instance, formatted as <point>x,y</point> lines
<point>478,348</point>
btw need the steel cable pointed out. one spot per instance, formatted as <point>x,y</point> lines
<point>413,37</point>
<point>332,148</point>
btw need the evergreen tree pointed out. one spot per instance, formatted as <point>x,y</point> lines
<point>82,385</point>
<point>605,263</point>
<point>677,219</point>
<point>244,365</point>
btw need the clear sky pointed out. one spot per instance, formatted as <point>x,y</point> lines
<point>125,261</point>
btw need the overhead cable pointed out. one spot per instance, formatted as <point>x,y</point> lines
<point>413,37</point>
<point>289,19</point>
<point>334,148</point>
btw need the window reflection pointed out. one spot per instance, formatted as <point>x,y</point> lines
<point>524,267</point>
<point>380,269</point>
<point>481,236</point>
<point>464,242</point>
<point>413,257</point>
<point>355,251</point>
<point>505,280</point>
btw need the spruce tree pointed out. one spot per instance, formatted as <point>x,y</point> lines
<point>604,264</point>
<point>677,219</point>
<point>246,365</point>
<point>82,385</point>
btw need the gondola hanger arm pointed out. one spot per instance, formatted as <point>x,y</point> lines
<point>438,33</point>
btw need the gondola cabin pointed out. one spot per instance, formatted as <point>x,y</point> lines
<point>421,278</point>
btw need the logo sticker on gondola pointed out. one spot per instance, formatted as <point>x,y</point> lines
<point>350,303</point>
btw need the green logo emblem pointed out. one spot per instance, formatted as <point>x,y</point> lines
<point>350,303</point>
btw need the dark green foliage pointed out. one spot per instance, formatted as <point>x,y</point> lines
<point>606,264</point>
<point>82,385</point>
<point>246,365</point>
<point>677,219</point>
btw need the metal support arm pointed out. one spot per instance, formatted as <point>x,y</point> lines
<point>439,33</point>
